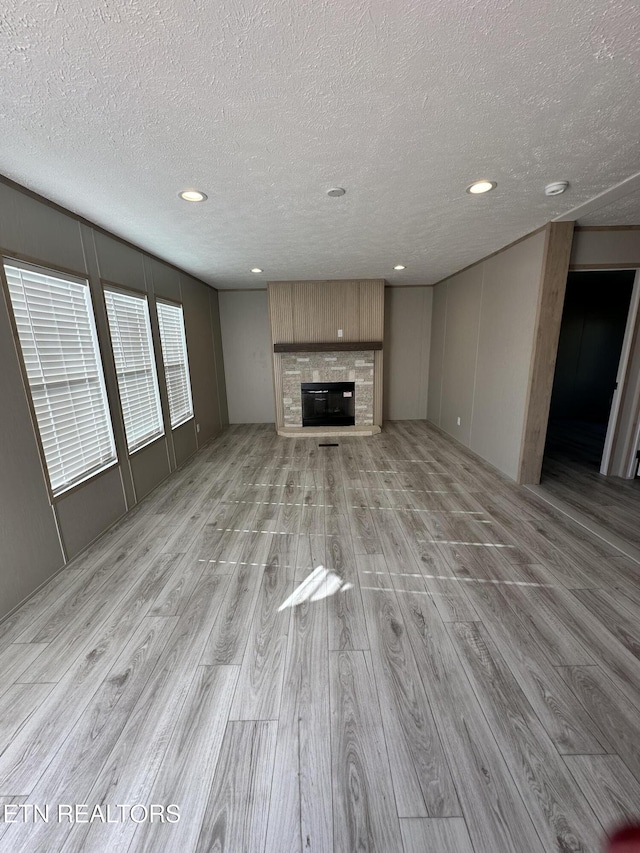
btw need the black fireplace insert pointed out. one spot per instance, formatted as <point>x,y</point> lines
<point>328,404</point>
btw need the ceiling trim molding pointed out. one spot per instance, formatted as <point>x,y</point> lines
<point>607,228</point>
<point>47,201</point>
<point>603,199</point>
<point>627,265</point>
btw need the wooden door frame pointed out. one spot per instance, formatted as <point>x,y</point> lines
<point>622,379</point>
<point>551,292</point>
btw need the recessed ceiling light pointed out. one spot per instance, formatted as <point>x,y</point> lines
<point>399,267</point>
<point>192,195</point>
<point>334,192</point>
<point>479,187</point>
<point>256,269</point>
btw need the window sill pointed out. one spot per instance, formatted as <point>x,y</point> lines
<point>140,447</point>
<point>68,490</point>
<point>182,423</point>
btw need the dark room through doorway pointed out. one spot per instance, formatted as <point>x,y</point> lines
<point>592,333</point>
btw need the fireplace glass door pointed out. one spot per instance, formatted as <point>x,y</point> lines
<point>328,403</point>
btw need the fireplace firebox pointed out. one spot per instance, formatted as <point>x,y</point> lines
<point>328,403</point>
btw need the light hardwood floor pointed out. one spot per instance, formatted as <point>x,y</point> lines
<point>380,646</point>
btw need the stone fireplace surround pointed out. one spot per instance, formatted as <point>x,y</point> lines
<point>350,366</point>
<point>324,331</point>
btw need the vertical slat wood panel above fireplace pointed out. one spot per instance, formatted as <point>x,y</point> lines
<point>315,313</point>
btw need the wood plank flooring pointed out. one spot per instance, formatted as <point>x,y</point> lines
<point>571,474</point>
<point>381,646</point>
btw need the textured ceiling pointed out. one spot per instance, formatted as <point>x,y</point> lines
<point>624,211</point>
<point>110,107</point>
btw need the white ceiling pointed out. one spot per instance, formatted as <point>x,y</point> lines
<point>110,107</point>
<point>623,211</point>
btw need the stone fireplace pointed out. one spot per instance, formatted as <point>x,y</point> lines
<point>304,367</point>
<point>327,332</point>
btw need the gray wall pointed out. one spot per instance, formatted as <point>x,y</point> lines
<point>246,344</point>
<point>37,536</point>
<point>247,354</point>
<point>407,341</point>
<point>481,348</point>
<point>597,248</point>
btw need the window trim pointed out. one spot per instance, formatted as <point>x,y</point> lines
<point>140,294</point>
<point>44,268</point>
<point>80,483</point>
<point>175,303</point>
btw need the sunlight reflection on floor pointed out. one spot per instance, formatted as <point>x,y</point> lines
<point>320,584</point>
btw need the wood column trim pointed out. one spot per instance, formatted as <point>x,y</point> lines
<point>553,283</point>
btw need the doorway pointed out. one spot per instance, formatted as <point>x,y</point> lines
<point>594,321</point>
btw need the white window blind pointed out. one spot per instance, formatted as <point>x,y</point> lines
<point>57,335</point>
<point>128,316</point>
<point>176,362</point>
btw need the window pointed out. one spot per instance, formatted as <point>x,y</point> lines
<point>176,363</point>
<point>128,316</point>
<point>57,334</point>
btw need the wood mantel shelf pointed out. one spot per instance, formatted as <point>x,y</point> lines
<point>331,346</point>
